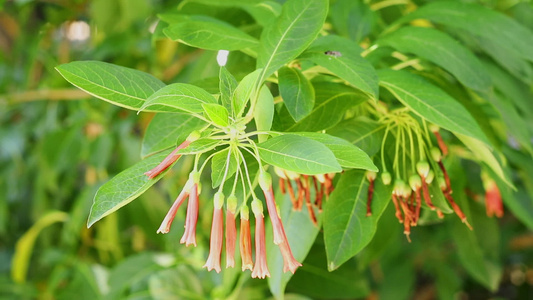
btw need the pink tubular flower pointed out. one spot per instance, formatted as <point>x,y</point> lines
<point>289,262</point>
<point>189,236</point>
<point>245,241</point>
<point>260,268</point>
<point>493,199</point>
<point>231,231</point>
<point>168,161</point>
<point>215,246</point>
<point>165,225</point>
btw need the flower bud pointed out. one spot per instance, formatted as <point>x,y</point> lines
<point>232,203</point>
<point>430,177</point>
<point>435,154</point>
<point>371,176</point>
<point>386,178</point>
<point>442,183</point>
<point>399,187</point>
<point>257,207</point>
<point>415,182</point>
<point>422,167</point>
<point>194,136</point>
<point>434,128</point>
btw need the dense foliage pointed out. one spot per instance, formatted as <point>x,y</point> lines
<point>376,148</point>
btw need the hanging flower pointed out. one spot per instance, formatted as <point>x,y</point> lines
<point>217,231</point>
<point>189,236</point>
<point>260,269</point>
<point>245,241</point>
<point>231,231</point>
<point>493,198</point>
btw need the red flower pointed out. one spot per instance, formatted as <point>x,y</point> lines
<point>168,161</point>
<point>260,268</point>
<point>493,199</point>
<point>245,241</point>
<point>165,225</point>
<point>231,231</point>
<point>215,247</point>
<point>189,236</point>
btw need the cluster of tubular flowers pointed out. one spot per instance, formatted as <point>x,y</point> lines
<point>322,184</point>
<point>191,191</point>
<point>413,172</point>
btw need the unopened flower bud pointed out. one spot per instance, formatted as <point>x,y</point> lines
<point>257,207</point>
<point>386,178</point>
<point>415,182</point>
<point>422,167</point>
<point>430,177</point>
<point>371,176</point>
<point>399,187</point>
<point>232,203</point>
<point>218,200</point>
<point>434,128</point>
<point>442,183</point>
<point>435,154</point>
<point>265,180</point>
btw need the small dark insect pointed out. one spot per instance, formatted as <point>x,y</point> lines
<point>333,53</point>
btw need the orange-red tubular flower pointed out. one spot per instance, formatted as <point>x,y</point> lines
<point>231,231</point>
<point>493,199</point>
<point>217,231</point>
<point>260,268</point>
<point>245,241</point>
<point>165,225</point>
<point>168,161</point>
<point>189,236</point>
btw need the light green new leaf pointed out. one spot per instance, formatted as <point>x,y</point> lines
<point>168,130</point>
<point>430,103</point>
<point>217,113</point>
<point>293,31</point>
<point>244,90</point>
<point>348,155</point>
<point>347,64</point>
<point>298,154</point>
<point>297,92</point>
<point>227,85</point>
<point>117,85</point>
<point>209,33</point>
<point>479,21</point>
<point>444,51</point>
<point>218,166</point>
<point>347,229</point>
<point>331,102</point>
<point>125,187</point>
<point>264,112</point>
<point>179,97</point>
<point>200,146</point>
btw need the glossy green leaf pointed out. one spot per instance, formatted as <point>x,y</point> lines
<point>219,165</point>
<point>479,21</point>
<point>209,33</point>
<point>347,229</point>
<point>297,92</point>
<point>117,85</point>
<point>347,64</point>
<point>301,234</point>
<point>298,154</point>
<point>125,187</point>
<point>293,31</point>
<point>227,86</point>
<point>348,155</point>
<point>179,97</point>
<point>331,102</point>
<point>444,51</point>
<point>244,90</point>
<point>430,103</point>
<point>200,146</point>
<point>264,112</point>
<point>168,130</point>
<point>217,113</point>
<point>365,133</point>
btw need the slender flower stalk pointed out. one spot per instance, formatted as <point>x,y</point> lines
<point>217,231</point>
<point>260,269</point>
<point>245,241</point>
<point>231,231</point>
<point>189,236</point>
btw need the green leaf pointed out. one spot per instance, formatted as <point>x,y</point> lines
<point>484,154</point>
<point>243,92</point>
<point>288,36</point>
<point>347,229</point>
<point>298,154</point>
<point>332,101</point>
<point>125,187</point>
<point>347,65</point>
<point>478,249</point>
<point>264,112</point>
<point>353,19</point>
<point>179,97</point>
<point>479,21</point>
<point>209,33</point>
<point>218,166</point>
<point>430,103</point>
<point>297,92</point>
<point>227,85</point>
<point>301,234</point>
<point>348,155</point>
<point>217,113</point>
<point>117,85</point>
<point>365,133</point>
<point>168,130</point>
<point>200,146</point>
<point>442,50</point>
